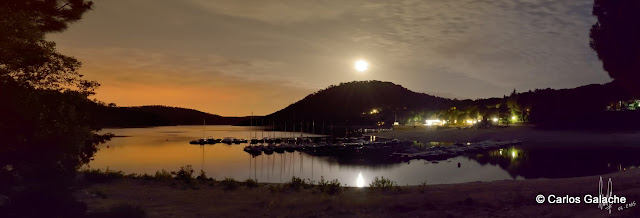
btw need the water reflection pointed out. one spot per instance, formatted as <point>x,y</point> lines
<point>535,161</point>
<point>147,150</point>
<point>360,180</point>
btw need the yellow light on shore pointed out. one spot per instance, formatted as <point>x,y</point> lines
<point>514,118</point>
<point>432,122</point>
<point>495,119</point>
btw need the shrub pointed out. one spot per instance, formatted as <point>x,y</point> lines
<point>329,187</point>
<point>97,175</point>
<point>163,175</point>
<point>423,186</point>
<point>251,183</point>
<point>298,184</point>
<point>185,174</point>
<point>382,184</point>
<point>146,176</point>
<point>202,177</point>
<point>132,176</point>
<point>230,184</point>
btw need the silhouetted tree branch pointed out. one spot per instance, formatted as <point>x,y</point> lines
<point>616,39</point>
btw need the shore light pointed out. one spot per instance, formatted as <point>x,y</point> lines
<point>495,119</point>
<point>514,118</point>
<point>432,122</point>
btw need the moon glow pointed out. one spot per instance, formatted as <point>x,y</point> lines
<point>361,65</point>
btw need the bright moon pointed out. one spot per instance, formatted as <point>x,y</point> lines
<point>361,65</point>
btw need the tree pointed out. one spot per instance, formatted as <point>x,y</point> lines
<point>26,56</point>
<point>505,113</point>
<point>615,36</point>
<point>47,130</point>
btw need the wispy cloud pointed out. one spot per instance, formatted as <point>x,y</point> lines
<point>469,48</point>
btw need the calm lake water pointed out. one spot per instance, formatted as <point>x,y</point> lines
<point>146,150</point>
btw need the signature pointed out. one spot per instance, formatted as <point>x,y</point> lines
<point>605,205</point>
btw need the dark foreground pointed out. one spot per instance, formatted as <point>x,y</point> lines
<point>479,199</point>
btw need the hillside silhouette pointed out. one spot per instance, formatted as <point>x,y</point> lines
<point>360,104</point>
<point>156,115</point>
<point>354,102</point>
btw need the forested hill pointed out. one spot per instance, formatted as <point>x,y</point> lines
<point>376,102</point>
<point>159,116</point>
<point>358,102</point>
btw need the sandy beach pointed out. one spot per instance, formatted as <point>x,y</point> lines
<point>477,199</point>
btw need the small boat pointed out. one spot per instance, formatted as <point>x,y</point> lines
<point>198,142</point>
<point>212,141</point>
<point>253,150</point>
<point>228,140</point>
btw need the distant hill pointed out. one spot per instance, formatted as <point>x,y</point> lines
<point>368,103</point>
<point>159,116</point>
<point>359,102</point>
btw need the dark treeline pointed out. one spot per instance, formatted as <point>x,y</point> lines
<point>585,107</point>
<point>374,103</point>
<point>112,116</point>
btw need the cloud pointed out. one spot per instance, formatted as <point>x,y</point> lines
<point>279,11</point>
<point>469,48</point>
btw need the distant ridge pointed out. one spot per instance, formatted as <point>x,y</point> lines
<point>157,115</point>
<point>375,103</point>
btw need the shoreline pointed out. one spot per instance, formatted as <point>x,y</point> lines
<point>506,198</point>
<point>503,198</point>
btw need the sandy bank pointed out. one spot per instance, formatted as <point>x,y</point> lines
<point>478,199</point>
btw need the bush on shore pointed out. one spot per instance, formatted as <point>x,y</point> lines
<point>330,187</point>
<point>185,174</point>
<point>298,184</point>
<point>383,184</point>
<point>230,184</point>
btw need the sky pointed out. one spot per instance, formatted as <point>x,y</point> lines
<point>237,57</point>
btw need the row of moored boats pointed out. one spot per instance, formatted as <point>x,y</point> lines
<point>210,141</point>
